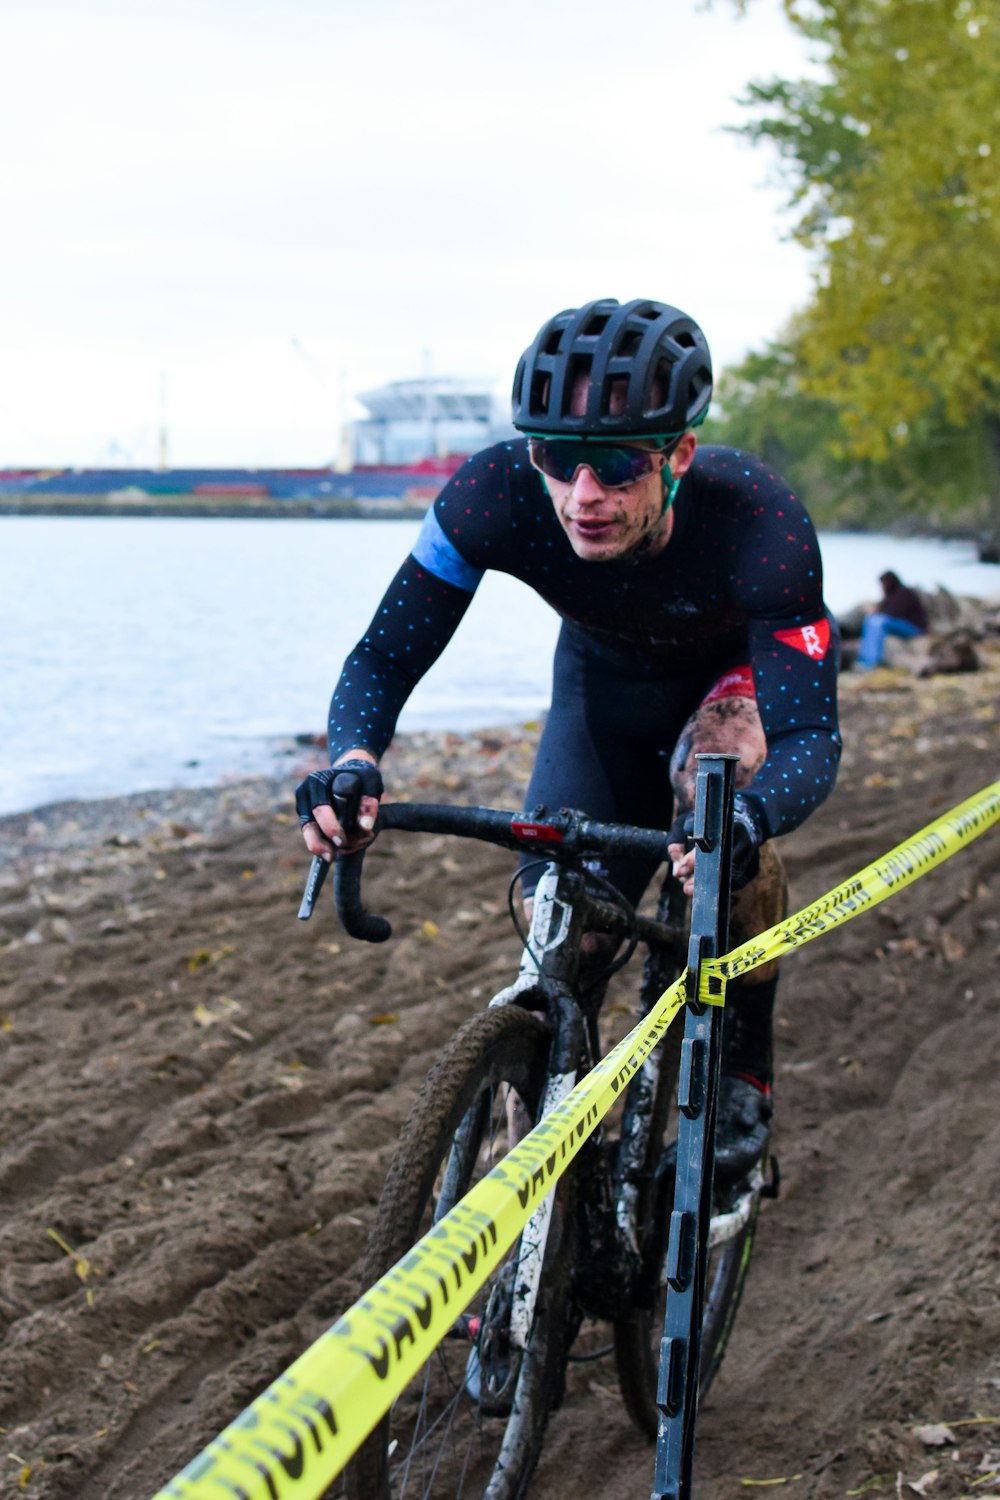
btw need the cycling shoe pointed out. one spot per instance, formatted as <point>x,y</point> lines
<point>742,1124</point>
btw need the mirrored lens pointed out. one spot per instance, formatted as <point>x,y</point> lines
<point>614,466</point>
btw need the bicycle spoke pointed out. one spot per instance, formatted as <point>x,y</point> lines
<point>425,1435</point>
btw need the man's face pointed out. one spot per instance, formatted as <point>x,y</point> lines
<point>604,523</point>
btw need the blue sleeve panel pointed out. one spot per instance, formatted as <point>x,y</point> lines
<point>440,557</point>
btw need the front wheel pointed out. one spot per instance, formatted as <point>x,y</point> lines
<point>471,1422</point>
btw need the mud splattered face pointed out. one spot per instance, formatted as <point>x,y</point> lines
<point>604,524</point>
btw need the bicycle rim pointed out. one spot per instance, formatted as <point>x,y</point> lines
<point>472,1421</point>
<point>727,1268</point>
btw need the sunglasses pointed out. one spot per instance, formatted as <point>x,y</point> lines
<point>614,465</point>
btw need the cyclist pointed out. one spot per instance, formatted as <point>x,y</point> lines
<point>689,583</point>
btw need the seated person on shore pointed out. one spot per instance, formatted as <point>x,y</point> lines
<point>900,612</point>
<point>689,583</point>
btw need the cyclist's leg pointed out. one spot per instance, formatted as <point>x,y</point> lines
<point>602,747</point>
<point>602,752</point>
<point>727,722</point>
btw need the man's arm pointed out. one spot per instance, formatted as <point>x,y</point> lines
<point>795,662</point>
<point>415,620</point>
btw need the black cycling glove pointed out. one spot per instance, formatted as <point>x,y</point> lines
<point>747,839</point>
<point>362,779</point>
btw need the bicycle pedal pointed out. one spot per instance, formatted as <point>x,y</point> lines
<point>772,1181</point>
<point>490,1403</point>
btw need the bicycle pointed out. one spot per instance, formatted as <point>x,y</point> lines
<point>473,1422</point>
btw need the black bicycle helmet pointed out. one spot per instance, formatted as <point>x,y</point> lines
<point>653,357</point>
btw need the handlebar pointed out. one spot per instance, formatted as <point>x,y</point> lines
<point>561,835</point>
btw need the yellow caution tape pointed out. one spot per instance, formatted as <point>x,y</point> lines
<point>297,1436</point>
<point>902,865</point>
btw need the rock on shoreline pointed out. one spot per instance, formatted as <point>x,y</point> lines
<point>958,626</point>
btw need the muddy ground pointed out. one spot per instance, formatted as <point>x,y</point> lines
<point>200,1096</point>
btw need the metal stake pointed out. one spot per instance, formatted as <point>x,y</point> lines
<point>687,1249</point>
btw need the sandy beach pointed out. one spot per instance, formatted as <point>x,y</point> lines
<point>201,1096</point>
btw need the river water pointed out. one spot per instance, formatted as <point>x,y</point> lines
<point>142,653</point>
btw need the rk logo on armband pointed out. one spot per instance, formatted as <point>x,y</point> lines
<point>811,640</point>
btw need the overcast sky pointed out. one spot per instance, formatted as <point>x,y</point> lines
<point>237,214</point>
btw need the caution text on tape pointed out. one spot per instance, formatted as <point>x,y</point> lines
<point>883,878</point>
<point>298,1435</point>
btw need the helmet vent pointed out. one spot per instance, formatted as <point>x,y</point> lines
<point>541,383</point>
<point>578,370</point>
<point>629,344</point>
<point>660,384</point>
<point>596,325</point>
<point>615,395</point>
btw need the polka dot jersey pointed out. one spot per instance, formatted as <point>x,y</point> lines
<point>740,579</point>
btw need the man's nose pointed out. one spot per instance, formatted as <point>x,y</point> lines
<point>586,485</point>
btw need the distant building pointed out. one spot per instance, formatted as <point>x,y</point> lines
<point>431,417</point>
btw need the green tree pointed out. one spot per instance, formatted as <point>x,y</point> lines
<point>762,406</point>
<point>894,162</point>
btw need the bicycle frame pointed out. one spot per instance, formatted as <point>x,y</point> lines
<point>561,912</point>
<point>563,909</point>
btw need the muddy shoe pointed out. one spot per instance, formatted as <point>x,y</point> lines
<point>741,1129</point>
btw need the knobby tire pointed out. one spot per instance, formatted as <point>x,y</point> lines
<point>439,1440</point>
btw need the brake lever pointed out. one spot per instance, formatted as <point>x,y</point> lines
<point>314,884</point>
<point>345,794</point>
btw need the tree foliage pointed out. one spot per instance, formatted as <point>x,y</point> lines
<point>938,476</point>
<point>893,159</point>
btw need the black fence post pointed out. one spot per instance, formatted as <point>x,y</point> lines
<point>687,1250</point>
